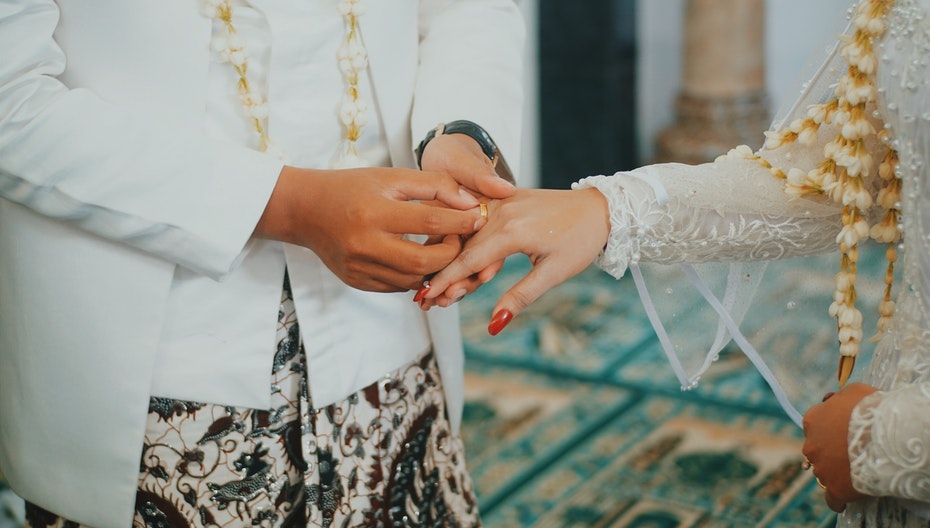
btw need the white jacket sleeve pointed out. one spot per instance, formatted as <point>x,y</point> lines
<point>131,176</point>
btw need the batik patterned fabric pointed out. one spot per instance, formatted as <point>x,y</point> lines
<point>384,456</point>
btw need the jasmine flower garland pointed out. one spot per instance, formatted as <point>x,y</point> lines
<point>842,174</point>
<point>352,58</point>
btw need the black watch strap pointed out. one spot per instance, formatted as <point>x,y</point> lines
<point>475,132</point>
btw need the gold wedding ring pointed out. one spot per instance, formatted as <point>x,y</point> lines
<point>483,208</point>
<point>807,465</point>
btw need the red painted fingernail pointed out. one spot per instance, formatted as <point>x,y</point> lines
<point>499,321</point>
<point>421,293</point>
<point>827,396</point>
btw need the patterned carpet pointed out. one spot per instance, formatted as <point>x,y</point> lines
<point>574,419</point>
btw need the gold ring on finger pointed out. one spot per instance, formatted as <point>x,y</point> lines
<point>483,208</point>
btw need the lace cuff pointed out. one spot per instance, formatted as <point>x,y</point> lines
<point>889,448</point>
<point>627,197</point>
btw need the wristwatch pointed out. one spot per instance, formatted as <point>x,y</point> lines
<point>475,132</point>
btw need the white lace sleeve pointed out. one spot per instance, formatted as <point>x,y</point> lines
<point>731,209</point>
<point>889,443</point>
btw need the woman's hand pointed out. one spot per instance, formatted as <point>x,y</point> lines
<point>826,428</point>
<point>460,157</point>
<point>561,232</point>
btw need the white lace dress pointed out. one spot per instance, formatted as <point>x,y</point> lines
<point>735,210</point>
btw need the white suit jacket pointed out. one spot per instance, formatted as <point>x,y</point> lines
<point>103,173</point>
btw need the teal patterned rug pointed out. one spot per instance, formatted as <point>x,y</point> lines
<point>574,419</point>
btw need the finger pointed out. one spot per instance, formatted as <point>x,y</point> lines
<point>478,174</point>
<point>433,239</point>
<point>380,276</point>
<point>409,259</point>
<point>487,274</point>
<point>421,219</point>
<point>383,287</point>
<point>473,281</point>
<point>429,186</point>
<point>481,251</point>
<point>459,289</point>
<point>380,280</point>
<point>540,279</point>
<point>433,203</point>
<point>454,242</point>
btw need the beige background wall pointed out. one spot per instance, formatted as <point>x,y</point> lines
<point>794,28</point>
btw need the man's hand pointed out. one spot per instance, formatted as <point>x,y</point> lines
<point>461,157</point>
<point>355,221</point>
<point>826,428</point>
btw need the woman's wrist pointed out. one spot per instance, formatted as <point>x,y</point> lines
<point>621,247</point>
<point>597,203</point>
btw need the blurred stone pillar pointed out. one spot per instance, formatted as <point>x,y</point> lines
<point>722,102</point>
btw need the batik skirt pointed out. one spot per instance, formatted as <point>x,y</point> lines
<point>383,457</point>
